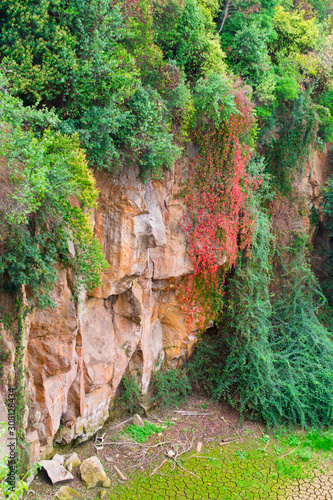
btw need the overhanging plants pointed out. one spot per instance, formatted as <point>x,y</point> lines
<point>218,221</point>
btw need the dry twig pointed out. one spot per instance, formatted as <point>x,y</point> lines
<point>120,474</point>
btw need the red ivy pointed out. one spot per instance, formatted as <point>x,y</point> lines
<point>218,222</point>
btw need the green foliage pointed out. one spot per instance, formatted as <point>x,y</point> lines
<point>170,387</point>
<point>79,59</point>
<point>297,135</point>
<point>145,132</point>
<point>184,32</point>
<point>287,88</point>
<point>140,434</point>
<point>131,394</point>
<point>295,33</point>
<point>48,194</point>
<point>271,357</point>
<point>213,100</point>
<point>327,282</point>
<point>6,490</point>
<point>326,115</point>
<point>250,53</point>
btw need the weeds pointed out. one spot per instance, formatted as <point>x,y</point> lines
<point>131,394</point>
<point>140,434</point>
<point>170,387</point>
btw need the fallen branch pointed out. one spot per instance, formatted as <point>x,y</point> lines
<point>120,474</point>
<point>229,442</point>
<point>158,467</point>
<point>190,472</point>
<point>192,413</point>
<point>197,456</point>
<point>121,423</point>
<point>127,443</point>
<point>286,454</point>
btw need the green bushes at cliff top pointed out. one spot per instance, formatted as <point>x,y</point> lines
<point>47,193</point>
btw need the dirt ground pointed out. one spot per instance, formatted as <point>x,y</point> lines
<point>188,460</point>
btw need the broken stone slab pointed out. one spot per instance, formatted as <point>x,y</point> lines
<point>137,420</point>
<point>59,458</point>
<point>102,494</point>
<point>71,461</point>
<point>92,474</point>
<point>67,493</point>
<point>56,471</point>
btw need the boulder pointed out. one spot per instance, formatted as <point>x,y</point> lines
<point>56,471</point>
<point>92,474</point>
<point>71,461</point>
<point>59,458</point>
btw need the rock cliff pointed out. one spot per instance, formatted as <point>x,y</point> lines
<point>77,353</point>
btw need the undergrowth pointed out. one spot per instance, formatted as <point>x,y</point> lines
<point>130,394</point>
<point>170,387</point>
<point>140,434</point>
<point>271,357</point>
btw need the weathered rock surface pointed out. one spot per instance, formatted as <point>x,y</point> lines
<point>137,420</point>
<point>56,472</point>
<point>67,493</point>
<point>92,474</point>
<point>77,355</point>
<point>71,461</point>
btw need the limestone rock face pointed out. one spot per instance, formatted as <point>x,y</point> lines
<point>78,352</point>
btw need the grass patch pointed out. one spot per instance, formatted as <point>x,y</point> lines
<point>140,434</point>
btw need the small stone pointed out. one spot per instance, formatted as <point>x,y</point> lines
<point>137,420</point>
<point>92,473</point>
<point>106,483</point>
<point>170,453</point>
<point>67,493</point>
<point>102,494</point>
<point>55,471</point>
<point>71,461</point>
<point>199,447</point>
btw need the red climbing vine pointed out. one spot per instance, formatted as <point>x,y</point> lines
<point>218,222</point>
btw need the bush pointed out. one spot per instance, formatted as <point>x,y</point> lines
<point>140,434</point>
<point>170,387</point>
<point>213,100</point>
<point>47,196</point>
<point>131,394</point>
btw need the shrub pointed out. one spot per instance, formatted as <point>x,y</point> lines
<point>213,100</point>
<point>47,195</point>
<point>170,387</point>
<point>130,394</point>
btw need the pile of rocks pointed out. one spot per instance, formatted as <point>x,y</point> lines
<point>91,473</point>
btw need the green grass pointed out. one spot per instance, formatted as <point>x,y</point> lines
<point>140,434</point>
<point>252,468</point>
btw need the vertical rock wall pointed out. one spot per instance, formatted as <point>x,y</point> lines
<point>78,354</point>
